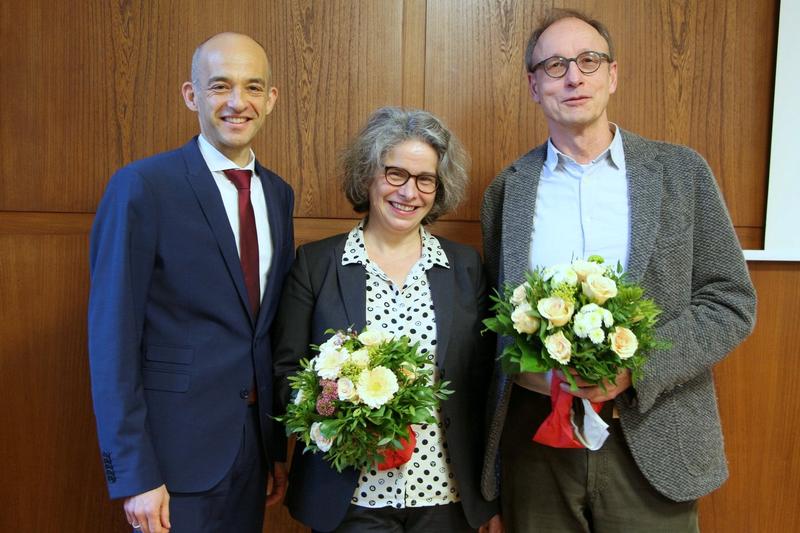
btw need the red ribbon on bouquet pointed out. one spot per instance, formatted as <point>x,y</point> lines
<point>393,458</point>
<point>557,431</point>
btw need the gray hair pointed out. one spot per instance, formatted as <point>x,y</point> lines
<point>554,16</point>
<point>364,157</point>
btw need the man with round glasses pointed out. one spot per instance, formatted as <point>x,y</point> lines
<point>595,189</point>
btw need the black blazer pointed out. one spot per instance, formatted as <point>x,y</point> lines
<point>322,293</point>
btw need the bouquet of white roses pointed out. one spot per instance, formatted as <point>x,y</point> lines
<point>355,401</point>
<point>582,316</point>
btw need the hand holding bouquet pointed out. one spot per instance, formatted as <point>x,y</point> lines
<point>355,401</point>
<point>582,316</point>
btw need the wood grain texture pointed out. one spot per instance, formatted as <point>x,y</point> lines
<point>760,408</point>
<point>414,32</point>
<point>51,466</point>
<point>335,62</point>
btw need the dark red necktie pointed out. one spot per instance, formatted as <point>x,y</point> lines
<point>248,238</point>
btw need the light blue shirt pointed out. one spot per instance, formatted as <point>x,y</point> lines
<point>581,210</point>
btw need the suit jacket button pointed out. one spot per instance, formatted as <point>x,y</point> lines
<point>244,393</point>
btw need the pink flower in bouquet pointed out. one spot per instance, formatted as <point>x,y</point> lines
<point>325,406</point>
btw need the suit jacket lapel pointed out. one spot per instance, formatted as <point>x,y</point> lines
<point>442,290</point>
<point>207,193</point>
<point>645,175</point>
<point>352,284</point>
<point>519,207</point>
<point>277,228</point>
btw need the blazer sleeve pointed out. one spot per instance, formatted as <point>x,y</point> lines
<point>122,251</point>
<point>721,311</point>
<point>291,332</point>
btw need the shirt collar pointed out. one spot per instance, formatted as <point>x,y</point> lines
<point>217,162</point>
<point>614,153</point>
<point>355,252</point>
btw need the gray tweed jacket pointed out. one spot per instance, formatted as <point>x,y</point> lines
<point>684,252</point>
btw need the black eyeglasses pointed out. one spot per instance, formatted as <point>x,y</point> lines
<point>557,66</point>
<point>399,176</point>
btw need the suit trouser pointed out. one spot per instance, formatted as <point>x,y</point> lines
<point>578,490</point>
<point>236,503</point>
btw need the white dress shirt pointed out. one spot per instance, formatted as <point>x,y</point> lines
<point>216,163</point>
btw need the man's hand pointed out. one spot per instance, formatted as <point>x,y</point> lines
<point>595,393</point>
<point>494,525</point>
<point>276,484</point>
<point>149,510</point>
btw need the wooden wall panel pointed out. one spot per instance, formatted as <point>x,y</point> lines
<point>51,465</point>
<point>757,387</point>
<point>335,62</point>
<point>689,72</point>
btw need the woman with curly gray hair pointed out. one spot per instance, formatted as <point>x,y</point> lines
<point>404,169</point>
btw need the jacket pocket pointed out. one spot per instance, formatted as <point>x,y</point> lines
<point>165,381</point>
<point>180,355</point>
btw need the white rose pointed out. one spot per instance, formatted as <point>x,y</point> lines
<point>556,310</point>
<point>523,322</point>
<point>360,358</point>
<point>377,386</point>
<point>599,288</point>
<point>562,273</point>
<point>623,342</point>
<point>329,363</point>
<point>558,347</point>
<point>372,337</point>
<point>323,443</point>
<point>584,268</point>
<point>520,294</point>
<point>346,390</point>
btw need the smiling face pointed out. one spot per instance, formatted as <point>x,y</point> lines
<point>230,93</point>
<point>576,101</point>
<point>400,210</point>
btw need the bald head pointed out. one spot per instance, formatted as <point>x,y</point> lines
<point>228,43</point>
<point>231,92</point>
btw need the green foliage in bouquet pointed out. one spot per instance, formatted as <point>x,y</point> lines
<point>583,315</point>
<point>358,396</point>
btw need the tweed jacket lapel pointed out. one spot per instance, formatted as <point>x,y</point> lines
<point>645,175</point>
<point>519,205</point>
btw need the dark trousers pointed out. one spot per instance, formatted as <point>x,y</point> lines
<point>432,519</point>
<point>577,490</point>
<point>237,502</point>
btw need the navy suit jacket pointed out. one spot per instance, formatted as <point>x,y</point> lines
<point>173,345</point>
<point>322,293</point>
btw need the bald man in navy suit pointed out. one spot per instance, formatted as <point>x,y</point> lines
<point>188,252</point>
